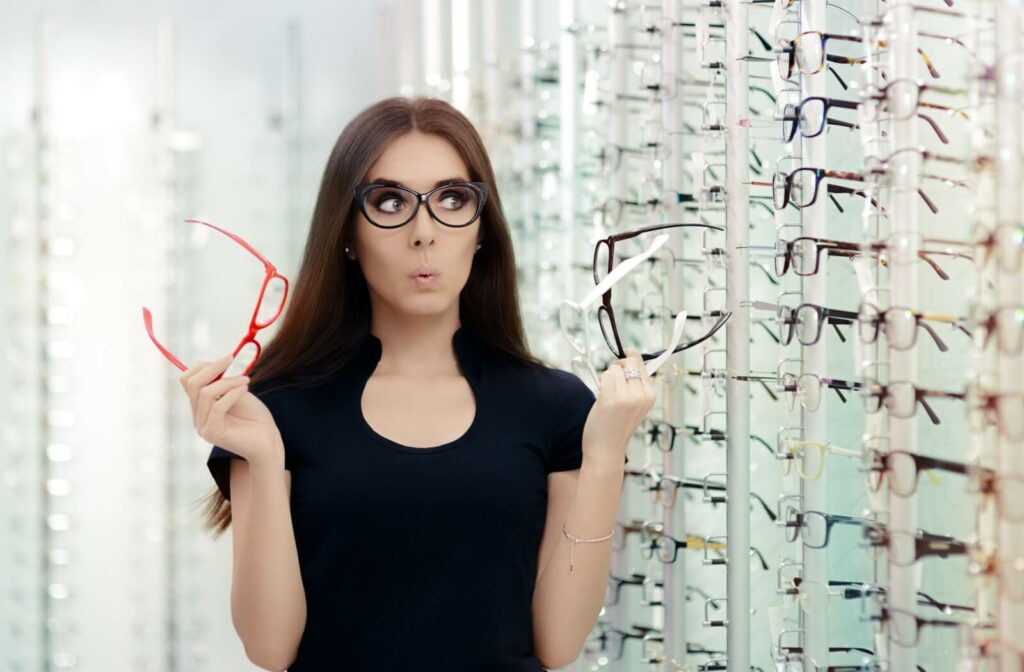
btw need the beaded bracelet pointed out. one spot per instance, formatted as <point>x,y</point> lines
<point>577,540</point>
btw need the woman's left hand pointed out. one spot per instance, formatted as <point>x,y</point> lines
<point>620,407</point>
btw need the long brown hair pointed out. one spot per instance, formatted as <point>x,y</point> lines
<point>329,309</point>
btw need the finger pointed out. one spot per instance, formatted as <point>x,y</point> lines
<point>217,418</point>
<point>202,377</point>
<point>645,378</point>
<point>612,380</point>
<point>213,392</point>
<point>634,361</point>
<point>191,371</point>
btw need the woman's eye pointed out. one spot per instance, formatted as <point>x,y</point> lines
<point>390,204</point>
<point>452,200</point>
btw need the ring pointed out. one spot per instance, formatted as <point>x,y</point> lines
<point>631,373</point>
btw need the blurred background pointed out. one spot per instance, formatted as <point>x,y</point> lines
<point>120,120</point>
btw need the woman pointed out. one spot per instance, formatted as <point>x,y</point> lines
<point>411,489</point>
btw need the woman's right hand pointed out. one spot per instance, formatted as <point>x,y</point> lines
<point>226,414</point>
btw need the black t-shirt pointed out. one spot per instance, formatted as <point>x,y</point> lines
<point>423,558</point>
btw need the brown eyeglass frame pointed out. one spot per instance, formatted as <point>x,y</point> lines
<point>613,340</point>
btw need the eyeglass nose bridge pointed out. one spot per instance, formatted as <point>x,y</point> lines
<point>780,453</point>
<point>717,603</point>
<point>798,228</point>
<point>779,370</point>
<point>783,583</point>
<point>708,486</point>
<point>780,518</point>
<point>706,426</point>
<point>710,543</point>
<point>779,299</point>
<point>787,95</point>
<point>786,164</point>
<point>705,302</point>
<point>783,650</point>
<point>877,294</point>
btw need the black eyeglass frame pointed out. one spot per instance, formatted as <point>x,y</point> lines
<point>787,318</point>
<point>796,520</point>
<point>480,188</point>
<point>613,340</point>
<point>791,113</point>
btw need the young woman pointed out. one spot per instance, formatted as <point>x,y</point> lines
<point>410,487</point>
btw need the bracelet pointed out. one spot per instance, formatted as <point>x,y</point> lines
<point>577,540</point>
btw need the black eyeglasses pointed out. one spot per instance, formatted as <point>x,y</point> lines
<point>665,487</point>
<point>851,590</point>
<point>807,388</point>
<point>807,320</point>
<point>613,640</point>
<point>604,262</point>
<point>663,434</point>
<point>803,254</point>
<point>810,116</point>
<point>615,584</point>
<point>815,527</point>
<point>389,205</point>
<point>800,187</point>
<point>655,543</point>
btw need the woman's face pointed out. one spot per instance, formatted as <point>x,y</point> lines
<point>391,257</point>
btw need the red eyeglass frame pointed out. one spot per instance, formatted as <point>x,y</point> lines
<point>254,326</point>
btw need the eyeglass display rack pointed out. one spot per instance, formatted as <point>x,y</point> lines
<point>611,116</point>
<point>672,112</point>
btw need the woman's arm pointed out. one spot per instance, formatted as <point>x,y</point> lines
<point>268,602</point>
<point>566,605</point>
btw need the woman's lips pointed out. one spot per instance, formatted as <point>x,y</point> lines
<point>424,280</point>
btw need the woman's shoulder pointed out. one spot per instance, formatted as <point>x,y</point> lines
<point>545,383</point>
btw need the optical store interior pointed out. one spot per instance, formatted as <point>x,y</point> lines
<point>813,206</point>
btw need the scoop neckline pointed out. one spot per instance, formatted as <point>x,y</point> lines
<point>371,353</point>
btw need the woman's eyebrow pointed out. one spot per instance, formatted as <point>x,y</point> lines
<point>396,183</point>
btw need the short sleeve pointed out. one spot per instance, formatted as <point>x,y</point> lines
<point>571,406</point>
<point>219,460</point>
<point>219,464</point>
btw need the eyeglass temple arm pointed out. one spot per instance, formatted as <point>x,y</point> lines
<point>927,407</point>
<point>931,332</point>
<point>764,505</point>
<point>835,321</point>
<point>935,127</point>
<point>840,385</point>
<point>147,317</point>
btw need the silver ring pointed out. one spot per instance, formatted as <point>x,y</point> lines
<point>631,373</point>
